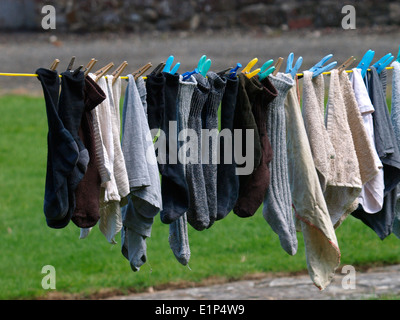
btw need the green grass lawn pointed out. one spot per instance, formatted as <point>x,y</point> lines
<point>231,249</point>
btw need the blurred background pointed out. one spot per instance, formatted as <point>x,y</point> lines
<point>227,31</point>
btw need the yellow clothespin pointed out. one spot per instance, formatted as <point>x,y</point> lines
<point>118,71</point>
<point>278,66</point>
<point>247,70</point>
<point>346,64</point>
<point>141,70</point>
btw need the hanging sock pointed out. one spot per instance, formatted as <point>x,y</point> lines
<point>70,110</point>
<point>227,180</point>
<point>395,118</point>
<point>321,245</point>
<point>62,155</point>
<point>198,213</point>
<point>178,233</point>
<point>372,194</point>
<point>217,88</point>
<point>277,209</point>
<point>245,121</point>
<point>252,193</point>
<point>388,151</point>
<point>173,185</point>
<point>86,213</point>
<point>144,201</point>
<point>155,85</point>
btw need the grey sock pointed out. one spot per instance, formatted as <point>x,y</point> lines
<point>217,88</point>
<point>178,232</point>
<point>277,209</point>
<point>198,213</point>
<point>179,240</point>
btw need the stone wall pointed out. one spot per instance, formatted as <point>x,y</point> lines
<point>165,15</point>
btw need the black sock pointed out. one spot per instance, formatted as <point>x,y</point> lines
<point>70,109</point>
<point>155,86</point>
<point>173,184</point>
<point>63,152</point>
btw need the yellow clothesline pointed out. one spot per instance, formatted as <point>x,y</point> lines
<point>125,77</point>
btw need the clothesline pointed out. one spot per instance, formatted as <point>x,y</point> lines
<point>125,77</point>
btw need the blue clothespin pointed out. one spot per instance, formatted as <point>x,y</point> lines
<point>366,62</point>
<point>187,75</point>
<point>234,71</point>
<point>265,72</point>
<point>168,66</point>
<point>319,67</point>
<point>205,67</point>
<point>383,63</point>
<point>201,62</point>
<point>289,65</point>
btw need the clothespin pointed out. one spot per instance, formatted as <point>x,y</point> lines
<point>101,72</point>
<point>248,68</point>
<point>289,65</point>
<point>187,75</point>
<point>77,70</point>
<point>365,62</point>
<point>383,62</point>
<point>233,72</point>
<point>90,66</point>
<point>265,72</point>
<point>157,70</point>
<point>223,72</point>
<point>168,65</point>
<point>54,64</point>
<point>398,56</point>
<point>71,63</point>
<point>141,70</point>
<point>346,64</point>
<point>203,65</point>
<point>319,67</point>
<point>118,71</point>
<point>278,66</point>
<point>206,66</point>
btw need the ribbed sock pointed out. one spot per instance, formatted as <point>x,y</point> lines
<point>217,88</point>
<point>198,213</point>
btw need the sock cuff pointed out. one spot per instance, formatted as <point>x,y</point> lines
<point>171,80</point>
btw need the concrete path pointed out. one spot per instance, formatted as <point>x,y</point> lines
<point>370,284</point>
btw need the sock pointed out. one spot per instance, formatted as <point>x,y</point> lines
<point>217,88</point>
<point>250,114</point>
<point>198,213</point>
<point>178,233</point>
<point>179,240</point>
<point>87,194</point>
<point>277,209</point>
<point>62,154</point>
<point>173,185</point>
<point>71,108</point>
<point>227,180</point>
<point>155,86</point>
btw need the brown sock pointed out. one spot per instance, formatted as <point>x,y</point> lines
<point>87,194</point>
